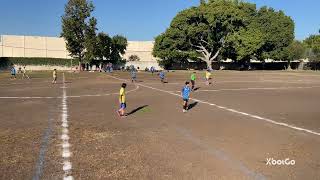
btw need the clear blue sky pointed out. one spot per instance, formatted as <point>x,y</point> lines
<point>135,19</point>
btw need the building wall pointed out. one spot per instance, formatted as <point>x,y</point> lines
<point>32,46</point>
<point>53,47</point>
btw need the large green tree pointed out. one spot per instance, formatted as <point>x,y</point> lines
<point>296,50</point>
<point>74,25</point>
<point>313,45</point>
<point>90,42</point>
<point>103,50</point>
<point>110,48</point>
<point>118,48</point>
<point>278,33</point>
<point>228,28</point>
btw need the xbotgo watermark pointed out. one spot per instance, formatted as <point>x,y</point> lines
<point>280,162</point>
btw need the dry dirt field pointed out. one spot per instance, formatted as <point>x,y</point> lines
<point>235,125</point>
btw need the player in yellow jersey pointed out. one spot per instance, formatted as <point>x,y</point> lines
<point>122,100</point>
<point>208,76</point>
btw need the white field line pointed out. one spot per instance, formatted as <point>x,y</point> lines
<point>271,81</point>
<point>61,97</point>
<point>66,153</point>
<point>271,88</point>
<point>31,97</point>
<point>99,95</point>
<point>38,82</point>
<point>173,83</point>
<point>234,111</point>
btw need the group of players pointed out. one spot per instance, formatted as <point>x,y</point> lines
<point>185,92</point>
<point>13,72</point>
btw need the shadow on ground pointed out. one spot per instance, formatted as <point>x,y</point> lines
<point>137,109</point>
<point>197,88</point>
<point>192,105</point>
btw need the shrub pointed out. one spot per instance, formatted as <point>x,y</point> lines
<point>7,61</point>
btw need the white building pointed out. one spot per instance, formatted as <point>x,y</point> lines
<point>53,47</point>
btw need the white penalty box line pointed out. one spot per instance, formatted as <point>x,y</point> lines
<point>232,110</point>
<point>259,88</point>
<point>61,97</point>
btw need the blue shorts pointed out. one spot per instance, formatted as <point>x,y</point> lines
<point>185,99</point>
<point>123,105</point>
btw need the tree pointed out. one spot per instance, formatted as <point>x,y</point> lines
<point>202,1</point>
<point>199,33</point>
<point>134,58</point>
<point>110,48</point>
<point>278,33</point>
<point>74,26</point>
<point>226,28</point>
<point>296,50</point>
<point>313,45</point>
<point>118,48</point>
<point>90,42</point>
<point>104,43</point>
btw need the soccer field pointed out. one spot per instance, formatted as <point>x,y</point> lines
<point>236,128</point>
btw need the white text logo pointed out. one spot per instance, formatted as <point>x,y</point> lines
<point>280,162</point>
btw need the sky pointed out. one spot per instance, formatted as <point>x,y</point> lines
<point>136,19</point>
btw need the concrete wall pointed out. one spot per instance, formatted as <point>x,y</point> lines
<point>53,47</point>
<point>32,46</point>
<point>143,49</point>
<point>143,65</point>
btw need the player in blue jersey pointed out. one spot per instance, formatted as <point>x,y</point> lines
<point>185,93</point>
<point>133,75</point>
<point>162,76</point>
<point>13,72</point>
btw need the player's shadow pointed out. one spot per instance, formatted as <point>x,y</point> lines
<point>67,82</point>
<point>197,88</point>
<point>192,105</point>
<point>137,109</point>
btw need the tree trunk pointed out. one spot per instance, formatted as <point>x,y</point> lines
<point>289,66</point>
<point>208,58</point>
<point>209,64</point>
<point>207,55</point>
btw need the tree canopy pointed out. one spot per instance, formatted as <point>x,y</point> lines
<point>110,48</point>
<point>90,40</point>
<point>225,28</point>
<point>74,26</point>
<point>134,58</point>
<point>79,29</point>
<point>104,43</point>
<point>313,45</point>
